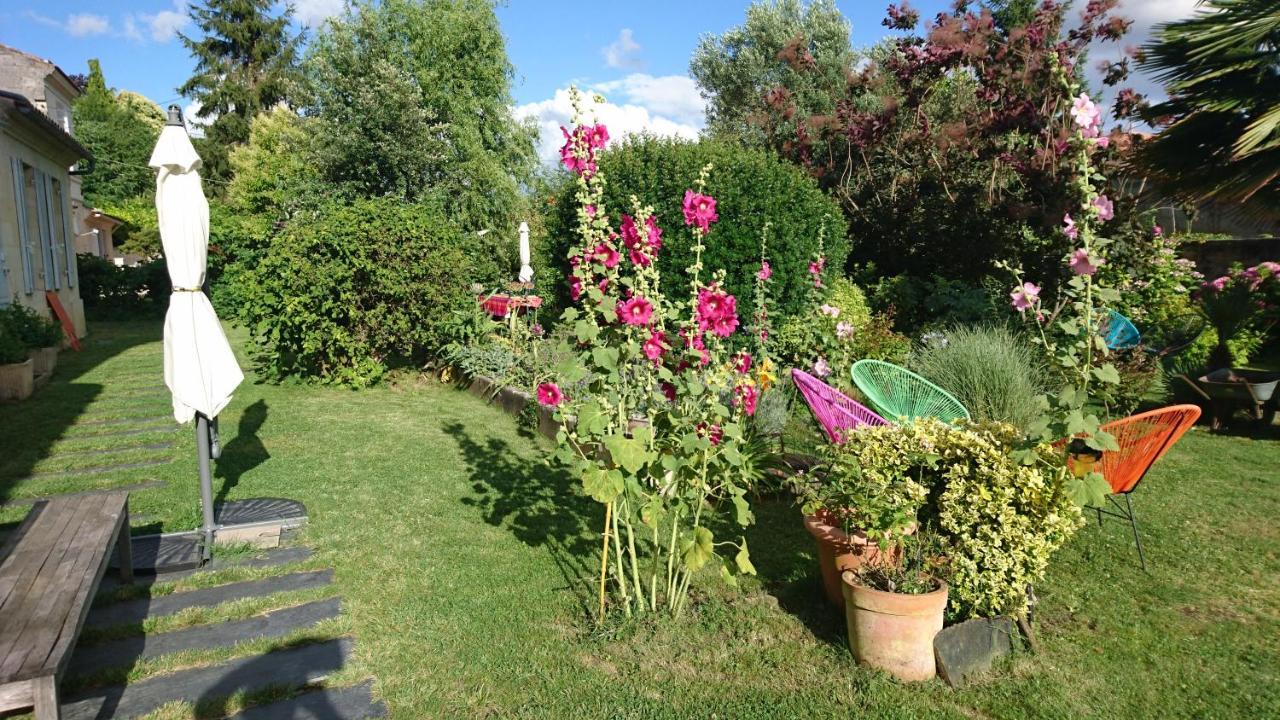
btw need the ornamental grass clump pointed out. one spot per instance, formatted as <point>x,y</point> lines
<point>659,396</point>
<point>992,370</point>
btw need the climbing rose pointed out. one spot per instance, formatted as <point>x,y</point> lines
<point>821,368</point>
<point>655,345</point>
<point>1024,297</point>
<point>549,395</point>
<point>699,210</point>
<point>1082,264</point>
<point>1106,208</point>
<point>766,272</point>
<point>635,311</point>
<point>1069,227</point>
<point>746,396</point>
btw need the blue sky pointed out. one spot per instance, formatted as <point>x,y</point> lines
<point>636,53</point>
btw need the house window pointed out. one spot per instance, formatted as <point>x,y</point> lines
<point>32,194</point>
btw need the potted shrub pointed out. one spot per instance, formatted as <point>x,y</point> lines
<point>858,513</point>
<point>894,610</point>
<point>16,378</point>
<point>41,336</point>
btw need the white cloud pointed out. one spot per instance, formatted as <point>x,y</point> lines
<point>623,53</point>
<point>622,120</point>
<point>195,125</point>
<point>675,96</point>
<point>313,12</point>
<point>164,25</point>
<point>131,30</point>
<point>76,25</point>
<point>82,24</point>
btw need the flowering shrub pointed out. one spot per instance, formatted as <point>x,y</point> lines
<point>1155,284</point>
<point>1236,301</point>
<point>1000,521</point>
<point>658,429</point>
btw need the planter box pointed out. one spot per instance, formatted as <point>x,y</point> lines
<point>44,361</point>
<point>513,401</point>
<point>17,381</point>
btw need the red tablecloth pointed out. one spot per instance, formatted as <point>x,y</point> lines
<point>501,305</point>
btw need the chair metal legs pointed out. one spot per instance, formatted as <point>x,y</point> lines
<point>1125,512</point>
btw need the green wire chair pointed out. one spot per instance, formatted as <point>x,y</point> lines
<point>899,393</point>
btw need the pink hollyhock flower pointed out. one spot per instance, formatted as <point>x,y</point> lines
<point>742,363</point>
<point>717,311</point>
<point>1082,264</point>
<point>821,368</point>
<point>668,391</point>
<point>1103,141</point>
<point>655,346</point>
<point>575,287</point>
<point>639,258</point>
<point>711,432</point>
<point>1085,112</point>
<point>653,234</point>
<point>570,159</point>
<point>1157,231</point>
<point>1025,296</point>
<point>1270,266</point>
<point>635,310</point>
<point>830,310</point>
<point>590,210</point>
<point>597,135</point>
<point>765,272</point>
<point>699,210</point>
<point>1069,227</point>
<point>603,284</point>
<point>549,395</point>
<point>844,330</point>
<point>630,234</point>
<point>816,267</point>
<point>605,255</point>
<point>1106,208</point>
<point>1217,285</point>
<point>696,344</point>
<point>746,396</point>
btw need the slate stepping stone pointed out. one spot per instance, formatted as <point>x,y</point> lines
<point>102,469</point>
<point>291,668</point>
<point>113,451</point>
<point>150,429</point>
<point>971,647</point>
<point>135,611</point>
<point>277,623</point>
<point>349,703</point>
<point>271,558</point>
<point>135,487</point>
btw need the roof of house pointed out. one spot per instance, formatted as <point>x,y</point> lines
<point>96,214</point>
<point>53,67</point>
<point>22,107</point>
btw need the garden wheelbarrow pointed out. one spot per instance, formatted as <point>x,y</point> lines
<point>1230,389</point>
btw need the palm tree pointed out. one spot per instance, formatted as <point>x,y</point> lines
<point>1221,136</point>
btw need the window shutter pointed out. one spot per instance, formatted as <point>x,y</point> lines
<point>51,268</point>
<point>68,236</point>
<point>24,238</point>
<point>6,294</point>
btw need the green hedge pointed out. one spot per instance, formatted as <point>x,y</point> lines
<point>345,292</point>
<point>750,188</point>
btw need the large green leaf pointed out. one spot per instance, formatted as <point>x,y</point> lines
<point>698,550</point>
<point>743,560</point>
<point>602,485</point>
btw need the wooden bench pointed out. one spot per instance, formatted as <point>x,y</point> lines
<point>49,572</point>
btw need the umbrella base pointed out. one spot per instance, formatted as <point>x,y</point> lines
<point>237,521</point>
<point>253,511</point>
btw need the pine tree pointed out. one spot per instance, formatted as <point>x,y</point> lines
<point>246,62</point>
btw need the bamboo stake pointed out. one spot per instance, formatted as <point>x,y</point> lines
<point>604,555</point>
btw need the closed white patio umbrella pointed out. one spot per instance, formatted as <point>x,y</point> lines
<point>526,271</point>
<point>199,367</point>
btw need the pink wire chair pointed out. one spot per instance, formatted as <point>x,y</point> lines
<point>836,412</point>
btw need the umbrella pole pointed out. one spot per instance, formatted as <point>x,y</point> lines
<point>206,483</point>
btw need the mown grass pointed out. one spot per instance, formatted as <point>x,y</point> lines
<point>465,563</point>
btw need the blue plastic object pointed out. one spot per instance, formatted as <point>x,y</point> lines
<point>1120,333</point>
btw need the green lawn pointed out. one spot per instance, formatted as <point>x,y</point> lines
<point>465,563</point>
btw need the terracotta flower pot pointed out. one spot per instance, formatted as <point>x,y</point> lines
<point>837,552</point>
<point>44,361</point>
<point>894,631</point>
<point>17,381</point>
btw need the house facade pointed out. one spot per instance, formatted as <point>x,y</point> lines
<point>38,225</point>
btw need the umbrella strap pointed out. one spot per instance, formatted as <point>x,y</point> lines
<point>178,289</point>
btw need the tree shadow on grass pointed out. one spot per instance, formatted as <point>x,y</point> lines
<point>538,504</point>
<point>786,561</point>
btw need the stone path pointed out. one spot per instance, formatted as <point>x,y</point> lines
<point>288,681</point>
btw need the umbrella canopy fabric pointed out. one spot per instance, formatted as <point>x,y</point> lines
<point>199,367</point>
<point>526,271</point>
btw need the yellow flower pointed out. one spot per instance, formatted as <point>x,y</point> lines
<point>765,375</point>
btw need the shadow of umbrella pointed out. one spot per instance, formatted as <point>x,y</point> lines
<point>244,452</point>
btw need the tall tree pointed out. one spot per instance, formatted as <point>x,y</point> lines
<point>414,100</point>
<point>246,62</point>
<point>1221,123</point>
<point>121,130</point>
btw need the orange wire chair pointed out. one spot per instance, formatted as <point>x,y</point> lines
<point>1143,439</point>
